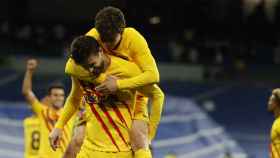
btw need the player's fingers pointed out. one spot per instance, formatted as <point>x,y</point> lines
<point>100,88</point>
<point>52,143</point>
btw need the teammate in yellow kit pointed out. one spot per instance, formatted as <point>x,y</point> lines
<point>116,39</point>
<point>274,107</point>
<point>87,53</point>
<point>47,115</point>
<point>32,133</point>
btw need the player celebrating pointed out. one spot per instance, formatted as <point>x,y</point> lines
<point>47,115</point>
<point>116,39</point>
<point>112,114</point>
<point>126,42</point>
<point>32,134</point>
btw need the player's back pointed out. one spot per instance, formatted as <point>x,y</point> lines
<point>32,137</point>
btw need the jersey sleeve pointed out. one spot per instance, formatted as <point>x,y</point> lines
<point>157,97</point>
<point>37,107</point>
<point>71,105</point>
<point>142,56</point>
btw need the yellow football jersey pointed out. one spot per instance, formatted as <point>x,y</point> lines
<point>109,118</point>
<point>134,48</point>
<point>32,136</point>
<point>47,117</point>
<point>275,139</point>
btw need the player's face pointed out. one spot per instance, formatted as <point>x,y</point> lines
<point>96,62</point>
<point>57,97</point>
<point>112,45</point>
<point>271,103</point>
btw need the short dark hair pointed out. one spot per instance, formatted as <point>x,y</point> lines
<point>55,85</point>
<point>109,21</point>
<point>82,47</point>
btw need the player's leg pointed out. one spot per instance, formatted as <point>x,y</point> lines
<point>140,143</point>
<point>77,139</point>
<point>139,130</point>
<point>139,139</point>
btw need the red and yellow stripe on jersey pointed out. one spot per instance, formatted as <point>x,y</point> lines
<point>275,139</point>
<point>47,117</point>
<point>108,115</point>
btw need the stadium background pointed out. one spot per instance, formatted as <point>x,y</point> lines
<point>218,61</point>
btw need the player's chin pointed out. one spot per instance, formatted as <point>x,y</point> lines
<point>58,104</point>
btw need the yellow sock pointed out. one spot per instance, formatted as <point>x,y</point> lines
<point>143,153</point>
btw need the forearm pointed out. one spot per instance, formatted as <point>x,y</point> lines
<point>27,83</point>
<point>76,142</point>
<point>145,78</point>
<point>69,109</point>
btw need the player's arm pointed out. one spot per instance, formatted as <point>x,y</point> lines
<point>142,56</point>
<point>70,107</point>
<point>29,95</point>
<point>157,97</point>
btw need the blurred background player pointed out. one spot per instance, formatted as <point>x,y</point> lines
<point>47,115</point>
<point>126,42</point>
<point>87,53</point>
<point>32,133</point>
<point>274,107</point>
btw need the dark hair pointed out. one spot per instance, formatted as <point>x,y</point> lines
<point>109,21</point>
<point>55,85</point>
<point>82,47</point>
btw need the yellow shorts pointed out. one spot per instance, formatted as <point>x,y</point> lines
<point>102,154</point>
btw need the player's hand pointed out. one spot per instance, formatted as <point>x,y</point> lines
<point>109,86</point>
<point>31,64</point>
<point>54,138</point>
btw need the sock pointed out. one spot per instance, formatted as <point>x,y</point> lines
<point>143,153</point>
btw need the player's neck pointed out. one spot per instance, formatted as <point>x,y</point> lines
<point>107,61</point>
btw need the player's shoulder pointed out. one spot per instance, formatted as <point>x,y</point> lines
<point>93,33</point>
<point>30,119</point>
<point>130,31</point>
<point>276,124</point>
<point>69,66</point>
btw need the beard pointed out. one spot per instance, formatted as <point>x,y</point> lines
<point>98,70</point>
